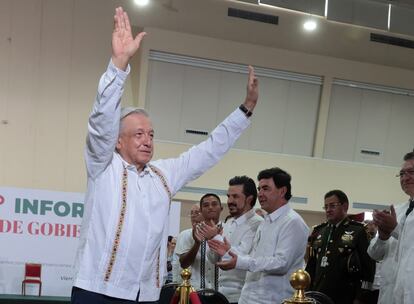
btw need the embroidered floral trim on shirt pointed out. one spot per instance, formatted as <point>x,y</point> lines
<point>164,183</point>
<point>120,224</point>
<point>122,217</point>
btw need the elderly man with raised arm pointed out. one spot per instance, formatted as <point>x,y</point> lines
<point>122,248</point>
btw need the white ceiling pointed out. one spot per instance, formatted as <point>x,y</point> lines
<point>335,39</point>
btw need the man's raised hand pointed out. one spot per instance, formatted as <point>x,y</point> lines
<point>252,90</point>
<point>124,46</point>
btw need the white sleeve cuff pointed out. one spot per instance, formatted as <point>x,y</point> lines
<point>243,262</point>
<point>122,74</point>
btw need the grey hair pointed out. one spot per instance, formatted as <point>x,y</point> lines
<point>128,111</point>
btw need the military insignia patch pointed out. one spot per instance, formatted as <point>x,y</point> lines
<point>347,237</point>
<point>318,241</point>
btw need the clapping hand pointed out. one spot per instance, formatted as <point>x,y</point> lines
<point>208,230</point>
<point>386,222</point>
<point>220,248</point>
<point>228,264</point>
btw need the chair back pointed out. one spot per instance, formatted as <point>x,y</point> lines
<point>32,274</point>
<point>33,270</point>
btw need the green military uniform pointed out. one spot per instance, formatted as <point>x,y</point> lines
<point>338,261</point>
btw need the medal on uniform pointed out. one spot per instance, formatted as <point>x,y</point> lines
<point>347,237</point>
<point>324,261</point>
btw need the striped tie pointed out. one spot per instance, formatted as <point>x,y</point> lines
<point>203,265</point>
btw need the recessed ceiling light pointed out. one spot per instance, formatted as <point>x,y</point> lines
<point>141,2</point>
<point>310,25</point>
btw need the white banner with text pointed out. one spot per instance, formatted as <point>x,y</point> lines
<point>40,226</point>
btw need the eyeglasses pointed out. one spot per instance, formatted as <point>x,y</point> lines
<point>331,206</point>
<point>409,173</point>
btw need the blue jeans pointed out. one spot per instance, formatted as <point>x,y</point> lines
<point>81,296</point>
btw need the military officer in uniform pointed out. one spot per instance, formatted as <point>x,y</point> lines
<point>338,262</point>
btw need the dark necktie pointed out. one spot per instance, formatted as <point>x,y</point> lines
<point>410,208</point>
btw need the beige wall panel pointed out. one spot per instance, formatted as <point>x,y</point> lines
<point>23,92</point>
<point>400,132</point>
<point>164,99</point>
<point>232,92</point>
<point>267,133</point>
<point>199,105</point>
<point>5,50</point>
<point>373,126</point>
<point>92,28</point>
<point>51,119</point>
<point>342,123</point>
<point>301,113</point>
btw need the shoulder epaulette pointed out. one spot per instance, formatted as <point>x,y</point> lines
<point>315,231</point>
<point>317,227</point>
<point>355,223</point>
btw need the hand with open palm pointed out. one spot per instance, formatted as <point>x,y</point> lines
<point>124,45</point>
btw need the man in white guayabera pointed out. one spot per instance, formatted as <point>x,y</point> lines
<point>122,249</point>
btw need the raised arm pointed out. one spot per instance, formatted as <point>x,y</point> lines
<point>124,45</point>
<point>252,91</point>
<point>103,125</point>
<point>198,159</point>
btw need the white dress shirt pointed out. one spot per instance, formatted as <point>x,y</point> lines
<point>141,254</point>
<point>239,233</point>
<point>384,253</point>
<point>278,251</point>
<point>185,242</point>
<point>398,251</point>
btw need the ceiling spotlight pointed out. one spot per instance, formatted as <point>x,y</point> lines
<point>309,25</point>
<point>141,2</point>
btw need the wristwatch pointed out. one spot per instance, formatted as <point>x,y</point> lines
<point>245,110</point>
